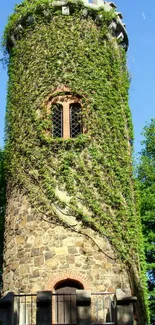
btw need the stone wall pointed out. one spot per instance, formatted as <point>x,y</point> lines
<point>38,254</point>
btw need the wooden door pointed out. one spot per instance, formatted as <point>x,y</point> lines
<point>66,305</point>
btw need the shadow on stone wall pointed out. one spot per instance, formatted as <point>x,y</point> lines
<point>2,209</point>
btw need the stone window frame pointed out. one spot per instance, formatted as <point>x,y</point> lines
<point>65,100</point>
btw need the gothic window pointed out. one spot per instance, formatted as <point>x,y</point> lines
<point>57,120</point>
<point>66,117</point>
<point>75,120</point>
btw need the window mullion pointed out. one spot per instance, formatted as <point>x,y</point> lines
<point>66,123</point>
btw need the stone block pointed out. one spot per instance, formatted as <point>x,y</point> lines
<point>45,248</point>
<point>78,264</point>
<point>79,244</point>
<point>107,266</point>
<point>24,269</point>
<point>23,222</point>
<point>35,287</point>
<point>30,218</point>
<point>20,240</point>
<point>70,259</point>
<point>86,267</point>
<point>52,263</point>
<point>20,254</point>
<point>111,289</point>
<point>48,255</point>
<point>72,250</point>
<point>38,241</point>
<point>116,270</point>
<point>35,252</point>
<point>47,239</point>
<point>38,261</point>
<point>14,266</point>
<point>64,266</point>
<point>24,259</point>
<point>18,232</point>
<point>97,266</point>
<point>61,251</point>
<point>35,273</point>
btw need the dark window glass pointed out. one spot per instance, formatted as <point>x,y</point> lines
<point>57,120</point>
<point>75,120</point>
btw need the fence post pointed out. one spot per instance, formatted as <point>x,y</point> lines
<point>7,309</point>
<point>44,308</point>
<point>83,305</point>
<point>124,308</point>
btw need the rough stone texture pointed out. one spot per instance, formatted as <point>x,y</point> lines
<point>38,254</point>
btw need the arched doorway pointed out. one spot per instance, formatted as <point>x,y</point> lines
<point>65,307</point>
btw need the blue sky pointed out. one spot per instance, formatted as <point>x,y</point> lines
<point>139,17</point>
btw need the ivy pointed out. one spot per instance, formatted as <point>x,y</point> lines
<point>89,177</point>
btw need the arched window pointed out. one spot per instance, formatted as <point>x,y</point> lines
<point>57,120</point>
<point>75,120</point>
<point>66,112</point>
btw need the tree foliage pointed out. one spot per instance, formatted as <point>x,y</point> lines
<point>146,176</point>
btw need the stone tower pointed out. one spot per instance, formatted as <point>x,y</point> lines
<point>70,193</point>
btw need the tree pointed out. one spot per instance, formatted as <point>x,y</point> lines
<point>146,177</point>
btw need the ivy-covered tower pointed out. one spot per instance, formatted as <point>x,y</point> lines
<point>71,212</point>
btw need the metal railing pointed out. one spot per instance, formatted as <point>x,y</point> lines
<point>25,309</point>
<point>64,308</point>
<point>102,308</point>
